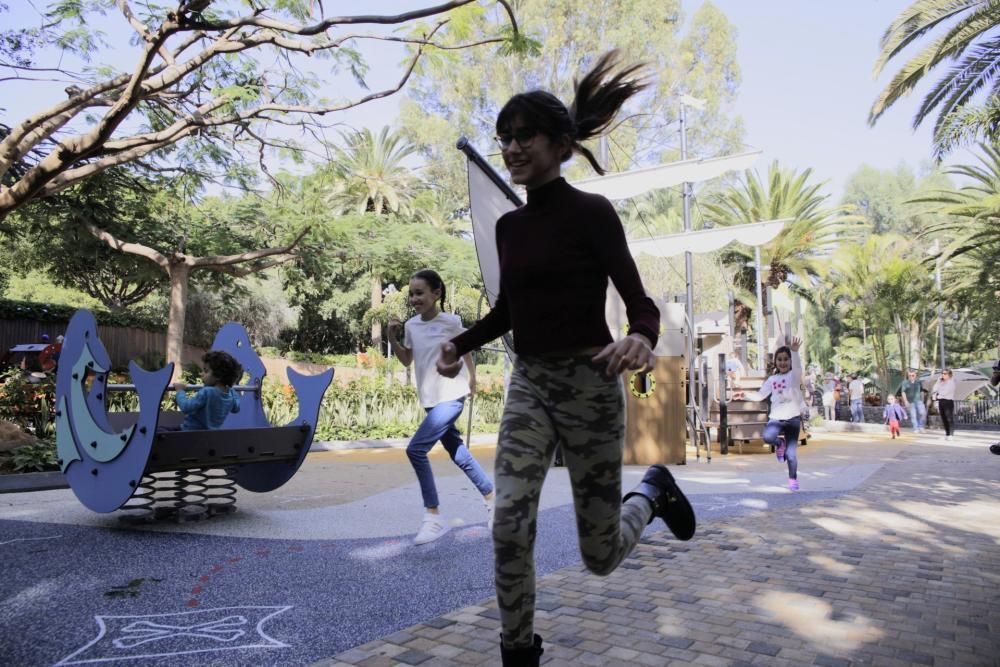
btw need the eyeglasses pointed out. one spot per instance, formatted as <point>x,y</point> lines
<point>524,137</point>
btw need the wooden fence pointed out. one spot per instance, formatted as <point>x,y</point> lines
<point>122,343</point>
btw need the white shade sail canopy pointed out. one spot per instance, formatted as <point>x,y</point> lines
<point>707,240</point>
<point>637,181</point>
<point>487,203</point>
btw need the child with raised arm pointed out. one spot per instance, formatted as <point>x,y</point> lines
<point>209,408</point>
<point>442,398</point>
<point>557,254</point>
<point>785,418</point>
<point>892,415</point>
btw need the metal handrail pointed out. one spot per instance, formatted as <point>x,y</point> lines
<point>250,388</point>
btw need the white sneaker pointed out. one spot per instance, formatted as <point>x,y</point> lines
<point>490,505</point>
<point>432,528</point>
<point>948,438</point>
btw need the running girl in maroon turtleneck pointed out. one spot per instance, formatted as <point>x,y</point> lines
<point>557,254</point>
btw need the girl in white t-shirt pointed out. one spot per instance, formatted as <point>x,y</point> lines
<point>441,397</point>
<point>785,419</point>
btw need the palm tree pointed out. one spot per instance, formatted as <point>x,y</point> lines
<point>882,289</point>
<point>798,254</point>
<point>972,223</point>
<point>969,37</point>
<point>368,175</point>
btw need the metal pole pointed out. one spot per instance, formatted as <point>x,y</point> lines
<point>689,277</point>
<point>472,397</point>
<point>760,310</point>
<point>940,309</point>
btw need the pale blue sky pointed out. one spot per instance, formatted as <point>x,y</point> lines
<point>807,86</point>
<point>804,99</point>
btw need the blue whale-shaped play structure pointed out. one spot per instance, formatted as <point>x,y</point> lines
<point>105,456</point>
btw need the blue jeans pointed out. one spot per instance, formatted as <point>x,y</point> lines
<point>790,429</point>
<point>439,424</point>
<point>918,415</point>
<point>857,413</point>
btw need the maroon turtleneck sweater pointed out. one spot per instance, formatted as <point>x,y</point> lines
<point>556,255</point>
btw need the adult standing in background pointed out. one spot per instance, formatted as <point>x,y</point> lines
<point>913,401</point>
<point>944,393</point>
<point>829,397</point>
<point>856,394</point>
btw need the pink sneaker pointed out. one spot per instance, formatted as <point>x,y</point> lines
<point>793,484</point>
<point>780,449</point>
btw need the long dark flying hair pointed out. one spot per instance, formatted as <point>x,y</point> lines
<point>433,280</point>
<point>599,96</point>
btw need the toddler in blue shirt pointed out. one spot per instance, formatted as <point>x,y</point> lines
<point>209,408</point>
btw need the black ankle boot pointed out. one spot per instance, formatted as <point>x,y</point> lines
<point>521,657</point>
<point>669,503</point>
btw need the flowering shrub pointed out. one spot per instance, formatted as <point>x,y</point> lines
<point>30,405</point>
<point>370,407</point>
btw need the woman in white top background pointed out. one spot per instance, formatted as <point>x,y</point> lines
<point>944,392</point>
<point>785,417</point>
<point>443,398</point>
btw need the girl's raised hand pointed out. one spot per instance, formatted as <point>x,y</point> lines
<point>631,353</point>
<point>394,327</point>
<point>795,343</point>
<point>449,363</point>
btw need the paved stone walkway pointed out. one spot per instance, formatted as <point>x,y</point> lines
<point>903,570</point>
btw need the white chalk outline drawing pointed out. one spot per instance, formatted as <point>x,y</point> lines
<point>146,631</point>
<point>30,539</point>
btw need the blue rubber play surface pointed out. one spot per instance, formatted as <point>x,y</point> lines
<point>95,595</point>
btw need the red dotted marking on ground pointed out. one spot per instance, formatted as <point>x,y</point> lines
<point>197,590</point>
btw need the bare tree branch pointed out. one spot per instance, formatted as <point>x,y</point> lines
<point>142,29</point>
<point>217,261</point>
<point>176,113</point>
<point>326,24</point>
<point>124,246</point>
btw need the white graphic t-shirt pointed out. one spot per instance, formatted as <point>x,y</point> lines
<point>425,337</point>
<point>784,390</point>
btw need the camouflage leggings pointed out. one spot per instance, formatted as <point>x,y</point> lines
<point>567,401</point>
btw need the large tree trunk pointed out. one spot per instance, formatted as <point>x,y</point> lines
<point>916,335</point>
<point>179,273</point>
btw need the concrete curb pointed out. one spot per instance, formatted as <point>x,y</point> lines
<point>46,481</point>
<point>32,481</point>
<point>390,443</point>
<point>849,427</point>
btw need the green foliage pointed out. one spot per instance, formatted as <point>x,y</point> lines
<point>27,310</point>
<point>882,287</point>
<point>332,283</point>
<point>799,254</point>
<point>370,407</point>
<point>970,252</point>
<point>226,90</point>
<point>29,405</point>
<point>368,175</point>
<point>55,235</point>
<point>966,32</point>
<point>458,93</point>
<point>883,197</point>
<point>37,457</point>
